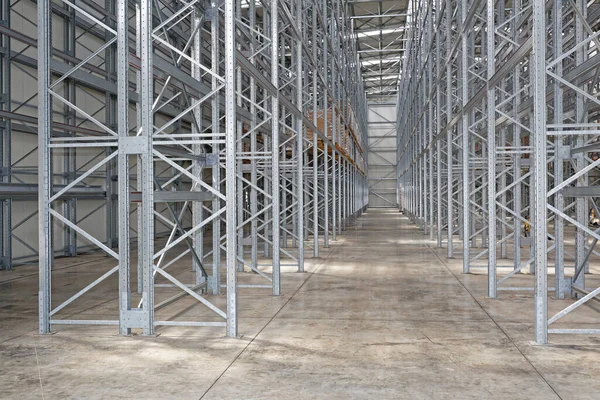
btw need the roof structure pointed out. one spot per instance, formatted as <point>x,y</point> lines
<point>380,27</point>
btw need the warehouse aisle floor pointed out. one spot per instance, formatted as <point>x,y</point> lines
<point>382,314</point>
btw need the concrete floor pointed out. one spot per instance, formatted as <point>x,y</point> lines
<point>382,314</point>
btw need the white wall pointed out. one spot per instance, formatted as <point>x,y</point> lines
<point>382,155</point>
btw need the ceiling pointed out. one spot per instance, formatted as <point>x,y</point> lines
<point>380,28</point>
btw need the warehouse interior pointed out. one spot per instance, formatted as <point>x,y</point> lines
<point>312,199</point>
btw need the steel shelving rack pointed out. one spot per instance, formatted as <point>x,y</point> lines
<point>229,136</point>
